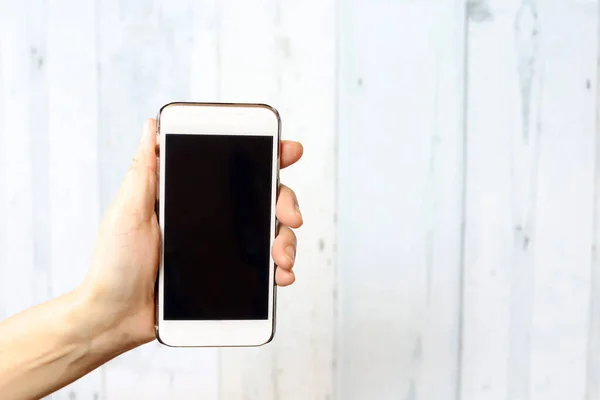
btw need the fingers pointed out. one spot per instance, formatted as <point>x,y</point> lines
<point>284,278</point>
<point>288,211</point>
<point>290,152</point>
<point>284,255</point>
<point>284,248</point>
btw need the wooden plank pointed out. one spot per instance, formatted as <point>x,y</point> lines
<point>4,308</point>
<point>151,53</point>
<point>563,268</point>
<point>593,365</point>
<point>73,162</point>
<point>40,150</point>
<point>269,54</point>
<point>529,199</point>
<point>494,123</point>
<point>400,198</point>
<point>18,278</point>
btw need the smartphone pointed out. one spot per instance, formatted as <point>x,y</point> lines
<point>218,186</point>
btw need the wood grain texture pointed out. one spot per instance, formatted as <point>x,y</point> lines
<point>464,265</point>
<point>18,279</point>
<point>73,164</point>
<point>400,198</point>
<point>593,365</point>
<point>530,175</point>
<point>566,177</point>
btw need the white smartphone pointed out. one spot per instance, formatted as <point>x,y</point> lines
<point>218,186</point>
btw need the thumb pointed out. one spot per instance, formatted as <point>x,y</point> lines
<point>137,193</point>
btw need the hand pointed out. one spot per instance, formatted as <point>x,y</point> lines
<point>120,283</point>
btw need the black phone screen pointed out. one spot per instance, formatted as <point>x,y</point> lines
<point>217,226</point>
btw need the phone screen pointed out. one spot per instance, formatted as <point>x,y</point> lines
<point>217,226</point>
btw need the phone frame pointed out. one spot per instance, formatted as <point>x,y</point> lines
<point>215,119</point>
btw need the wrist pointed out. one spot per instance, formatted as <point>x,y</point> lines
<point>95,327</point>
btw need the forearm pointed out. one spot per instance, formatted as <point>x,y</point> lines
<point>49,346</point>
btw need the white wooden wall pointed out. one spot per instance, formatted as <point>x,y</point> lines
<point>450,184</point>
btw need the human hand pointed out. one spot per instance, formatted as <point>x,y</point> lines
<point>120,284</point>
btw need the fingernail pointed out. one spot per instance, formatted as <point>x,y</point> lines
<point>291,253</point>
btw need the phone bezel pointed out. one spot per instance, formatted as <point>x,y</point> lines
<point>217,119</point>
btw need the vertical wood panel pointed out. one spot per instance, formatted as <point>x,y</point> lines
<point>593,365</point>
<point>529,198</point>
<point>494,123</point>
<point>4,307</point>
<point>40,147</point>
<point>565,201</point>
<point>73,163</point>
<point>269,54</point>
<point>17,266</point>
<point>400,198</point>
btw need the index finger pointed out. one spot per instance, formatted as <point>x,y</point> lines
<point>290,152</point>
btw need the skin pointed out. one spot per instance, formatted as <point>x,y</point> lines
<point>51,345</point>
